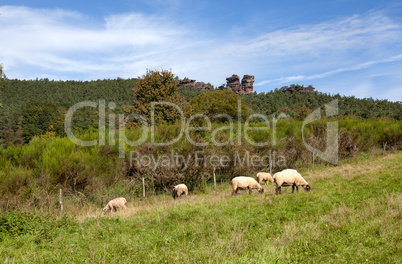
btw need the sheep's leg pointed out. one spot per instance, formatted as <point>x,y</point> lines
<point>293,188</point>
<point>249,190</point>
<point>297,188</point>
<point>278,190</point>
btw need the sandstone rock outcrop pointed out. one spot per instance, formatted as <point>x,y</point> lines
<point>300,89</point>
<point>232,83</point>
<point>245,87</point>
<point>247,83</point>
<point>196,85</point>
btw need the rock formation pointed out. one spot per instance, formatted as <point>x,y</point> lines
<point>245,87</point>
<point>232,83</point>
<point>247,84</point>
<point>300,89</point>
<point>193,84</point>
<point>186,82</point>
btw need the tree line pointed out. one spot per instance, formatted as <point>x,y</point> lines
<point>34,107</point>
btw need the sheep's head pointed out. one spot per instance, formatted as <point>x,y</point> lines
<point>261,190</point>
<point>174,193</point>
<point>307,188</point>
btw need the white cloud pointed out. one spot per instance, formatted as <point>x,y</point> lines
<point>54,39</point>
<point>332,72</point>
<point>356,32</point>
<point>65,44</point>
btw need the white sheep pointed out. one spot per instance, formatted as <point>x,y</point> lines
<point>264,177</point>
<point>243,183</point>
<point>290,177</point>
<point>115,204</point>
<point>179,190</point>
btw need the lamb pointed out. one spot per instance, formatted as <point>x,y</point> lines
<point>290,177</point>
<point>115,204</point>
<point>264,176</point>
<point>243,183</point>
<point>179,190</point>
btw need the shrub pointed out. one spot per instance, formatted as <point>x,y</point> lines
<point>17,224</point>
<point>219,102</point>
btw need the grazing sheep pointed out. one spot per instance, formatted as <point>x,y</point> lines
<point>292,178</point>
<point>178,190</point>
<point>243,183</point>
<point>115,204</point>
<point>264,177</point>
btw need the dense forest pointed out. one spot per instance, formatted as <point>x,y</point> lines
<point>31,107</point>
<point>298,105</point>
<point>25,105</point>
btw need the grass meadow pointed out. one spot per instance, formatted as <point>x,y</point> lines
<point>352,215</point>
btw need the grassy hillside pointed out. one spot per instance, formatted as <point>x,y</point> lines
<point>32,174</point>
<point>352,215</point>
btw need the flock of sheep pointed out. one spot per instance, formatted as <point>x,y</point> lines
<point>286,177</point>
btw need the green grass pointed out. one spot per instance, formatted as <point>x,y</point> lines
<point>352,215</point>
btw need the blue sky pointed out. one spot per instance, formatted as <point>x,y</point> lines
<point>349,47</point>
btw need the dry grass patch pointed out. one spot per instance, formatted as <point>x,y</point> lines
<point>154,203</point>
<point>350,170</point>
<point>393,206</point>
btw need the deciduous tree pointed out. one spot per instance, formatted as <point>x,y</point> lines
<point>158,86</point>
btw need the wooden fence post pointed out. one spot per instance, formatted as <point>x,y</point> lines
<point>270,162</point>
<point>143,187</point>
<point>313,158</point>
<point>371,151</point>
<point>385,146</point>
<point>60,201</point>
<point>214,179</point>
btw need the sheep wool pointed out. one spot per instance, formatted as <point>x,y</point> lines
<point>244,183</point>
<point>264,177</point>
<point>290,177</point>
<point>117,203</point>
<point>179,190</point>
